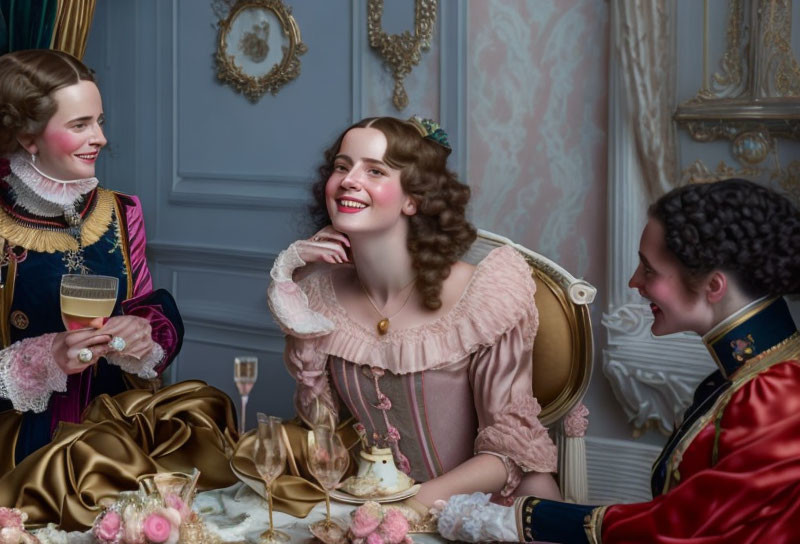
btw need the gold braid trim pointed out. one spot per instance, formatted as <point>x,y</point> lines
<point>594,525</point>
<point>50,241</point>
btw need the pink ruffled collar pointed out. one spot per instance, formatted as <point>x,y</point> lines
<point>498,297</point>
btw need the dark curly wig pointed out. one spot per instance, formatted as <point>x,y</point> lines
<point>737,226</point>
<point>439,233</point>
<point>27,81</point>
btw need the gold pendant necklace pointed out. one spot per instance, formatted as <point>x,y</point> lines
<point>383,324</point>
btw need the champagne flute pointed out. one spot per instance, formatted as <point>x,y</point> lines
<point>269,458</point>
<point>245,373</point>
<point>327,460</point>
<point>85,297</point>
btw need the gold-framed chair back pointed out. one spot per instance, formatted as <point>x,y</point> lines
<point>563,349</point>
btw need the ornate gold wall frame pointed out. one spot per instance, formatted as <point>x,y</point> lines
<point>401,51</point>
<point>258,48</point>
<point>755,96</point>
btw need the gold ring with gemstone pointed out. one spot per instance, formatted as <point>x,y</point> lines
<point>85,355</point>
<point>117,343</point>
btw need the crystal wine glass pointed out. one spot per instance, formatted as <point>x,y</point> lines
<point>245,373</point>
<point>327,460</point>
<point>269,458</point>
<point>86,297</point>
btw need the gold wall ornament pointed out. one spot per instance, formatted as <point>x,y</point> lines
<point>755,97</point>
<point>258,48</point>
<point>401,51</point>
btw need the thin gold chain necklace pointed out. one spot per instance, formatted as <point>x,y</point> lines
<point>383,324</point>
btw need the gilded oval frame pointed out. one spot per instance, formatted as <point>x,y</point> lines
<point>234,72</point>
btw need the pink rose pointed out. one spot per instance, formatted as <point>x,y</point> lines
<point>174,501</point>
<point>156,528</point>
<point>375,538</point>
<point>11,517</point>
<point>109,526</point>
<point>394,527</point>
<point>10,535</point>
<point>365,521</point>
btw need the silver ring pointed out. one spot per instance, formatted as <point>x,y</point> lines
<point>85,355</point>
<point>117,343</point>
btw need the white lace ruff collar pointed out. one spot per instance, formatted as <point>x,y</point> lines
<point>61,193</point>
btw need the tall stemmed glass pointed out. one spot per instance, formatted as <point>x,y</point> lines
<point>85,297</point>
<point>270,457</point>
<point>245,373</point>
<point>327,461</point>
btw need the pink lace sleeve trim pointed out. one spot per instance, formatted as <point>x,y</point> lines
<point>499,297</point>
<point>518,435</point>
<point>29,374</point>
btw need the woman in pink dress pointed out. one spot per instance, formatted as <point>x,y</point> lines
<point>431,355</point>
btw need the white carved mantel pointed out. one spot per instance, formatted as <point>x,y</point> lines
<point>653,378</point>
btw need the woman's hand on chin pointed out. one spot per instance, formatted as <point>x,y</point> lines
<point>328,245</point>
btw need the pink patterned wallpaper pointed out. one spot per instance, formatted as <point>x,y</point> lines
<point>537,74</point>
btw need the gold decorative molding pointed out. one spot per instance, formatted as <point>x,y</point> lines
<point>783,178</point>
<point>757,90</point>
<point>247,57</point>
<point>401,51</point>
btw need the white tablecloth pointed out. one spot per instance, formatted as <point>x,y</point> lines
<point>238,514</point>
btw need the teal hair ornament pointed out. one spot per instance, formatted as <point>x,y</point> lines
<point>430,130</point>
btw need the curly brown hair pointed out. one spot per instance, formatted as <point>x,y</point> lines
<point>27,81</point>
<point>439,233</point>
<point>734,225</point>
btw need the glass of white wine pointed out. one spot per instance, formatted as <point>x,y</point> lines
<point>245,374</point>
<point>85,297</point>
<point>327,460</point>
<point>269,457</point>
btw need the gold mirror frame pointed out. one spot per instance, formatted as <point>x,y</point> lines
<point>401,51</point>
<point>254,87</point>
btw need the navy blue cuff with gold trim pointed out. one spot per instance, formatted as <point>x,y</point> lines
<point>553,521</point>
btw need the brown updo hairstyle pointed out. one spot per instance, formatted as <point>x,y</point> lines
<point>439,233</point>
<point>27,81</point>
<point>737,226</point>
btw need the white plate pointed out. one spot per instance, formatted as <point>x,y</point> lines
<point>341,496</point>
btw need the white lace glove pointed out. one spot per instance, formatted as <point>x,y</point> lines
<point>288,303</point>
<point>472,518</point>
<point>144,367</point>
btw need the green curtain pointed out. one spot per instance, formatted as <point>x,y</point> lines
<point>26,24</point>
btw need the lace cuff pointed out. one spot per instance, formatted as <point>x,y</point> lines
<point>472,518</point>
<point>29,374</point>
<point>288,303</point>
<point>144,367</point>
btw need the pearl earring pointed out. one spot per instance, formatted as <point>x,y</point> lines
<point>33,158</point>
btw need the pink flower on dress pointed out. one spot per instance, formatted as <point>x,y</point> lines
<point>109,527</point>
<point>394,527</point>
<point>383,402</point>
<point>375,538</point>
<point>156,528</point>
<point>377,372</point>
<point>392,434</point>
<point>11,517</point>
